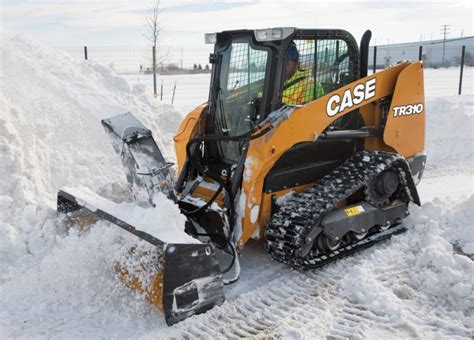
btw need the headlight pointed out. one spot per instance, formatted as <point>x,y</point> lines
<point>210,38</point>
<point>270,34</point>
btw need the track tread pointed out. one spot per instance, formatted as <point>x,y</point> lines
<point>286,232</point>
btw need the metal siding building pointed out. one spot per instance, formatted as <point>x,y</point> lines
<point>432,52</point>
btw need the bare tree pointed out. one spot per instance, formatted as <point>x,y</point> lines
<point>153,23</point>
<point>152,34</point>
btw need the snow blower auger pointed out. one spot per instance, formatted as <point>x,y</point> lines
<point>296,146</point>
<point>183,279</point>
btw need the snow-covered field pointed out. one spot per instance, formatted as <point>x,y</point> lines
<point>192,90</point>
<point>58,284</point>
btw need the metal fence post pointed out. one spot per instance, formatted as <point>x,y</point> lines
<point>85,52</point>
<point>462,68</point>
<point>420,53</point>
<point>161,91</point>
<point>174,90</point>
<point>154,72</point>
<point>375,59</point>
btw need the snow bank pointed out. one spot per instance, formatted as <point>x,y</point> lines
<point>50,136</point>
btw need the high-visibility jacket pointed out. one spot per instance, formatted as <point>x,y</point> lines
<point>299,89</point>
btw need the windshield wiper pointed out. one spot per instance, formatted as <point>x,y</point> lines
<point>235,85</point>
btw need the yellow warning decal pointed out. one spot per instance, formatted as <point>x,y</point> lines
<point>354,210</point>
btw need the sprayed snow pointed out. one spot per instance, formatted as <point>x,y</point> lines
<point>164,221</point>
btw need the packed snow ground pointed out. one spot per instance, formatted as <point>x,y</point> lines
<point>56,283</point>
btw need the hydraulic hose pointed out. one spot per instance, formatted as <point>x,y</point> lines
<point>198,166</point>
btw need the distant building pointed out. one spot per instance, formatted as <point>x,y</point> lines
<point>432,54</point>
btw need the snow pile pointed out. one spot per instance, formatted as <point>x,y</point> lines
<point>50,137</point>
<point>75,284</point>
<point>443,268</point>
<point>434,260</point>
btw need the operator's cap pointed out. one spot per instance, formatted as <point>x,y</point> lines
<point>292,52</point>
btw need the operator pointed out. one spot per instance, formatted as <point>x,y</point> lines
<point>298,88</point>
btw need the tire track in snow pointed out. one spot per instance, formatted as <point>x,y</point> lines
<point>448,170</point>
<point>296,300</point>
<point>314,305</point>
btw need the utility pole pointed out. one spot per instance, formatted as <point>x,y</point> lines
<point>181,57</point>
<point>154,70</point>
<point>444,32</point>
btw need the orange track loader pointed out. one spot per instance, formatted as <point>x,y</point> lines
<point>319,177</point>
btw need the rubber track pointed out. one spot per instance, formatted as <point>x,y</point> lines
<point>287,229</point>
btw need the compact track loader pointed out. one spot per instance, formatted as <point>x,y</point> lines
<point>318,162</point>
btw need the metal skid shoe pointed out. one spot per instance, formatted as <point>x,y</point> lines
<point>188,279</point>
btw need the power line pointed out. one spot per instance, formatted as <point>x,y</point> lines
<point>444,31</point>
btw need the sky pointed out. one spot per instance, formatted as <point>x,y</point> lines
<point>122,23</point>
<point>114,30</point>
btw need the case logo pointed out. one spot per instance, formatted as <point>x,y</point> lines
<point>407,110</point>
<point>361,92</point>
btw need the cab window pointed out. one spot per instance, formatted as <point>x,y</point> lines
<point>322,66</point>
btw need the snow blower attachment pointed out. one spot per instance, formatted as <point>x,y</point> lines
<point>297,146</point>
<point>147,171</point>
<point>186,278</point>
